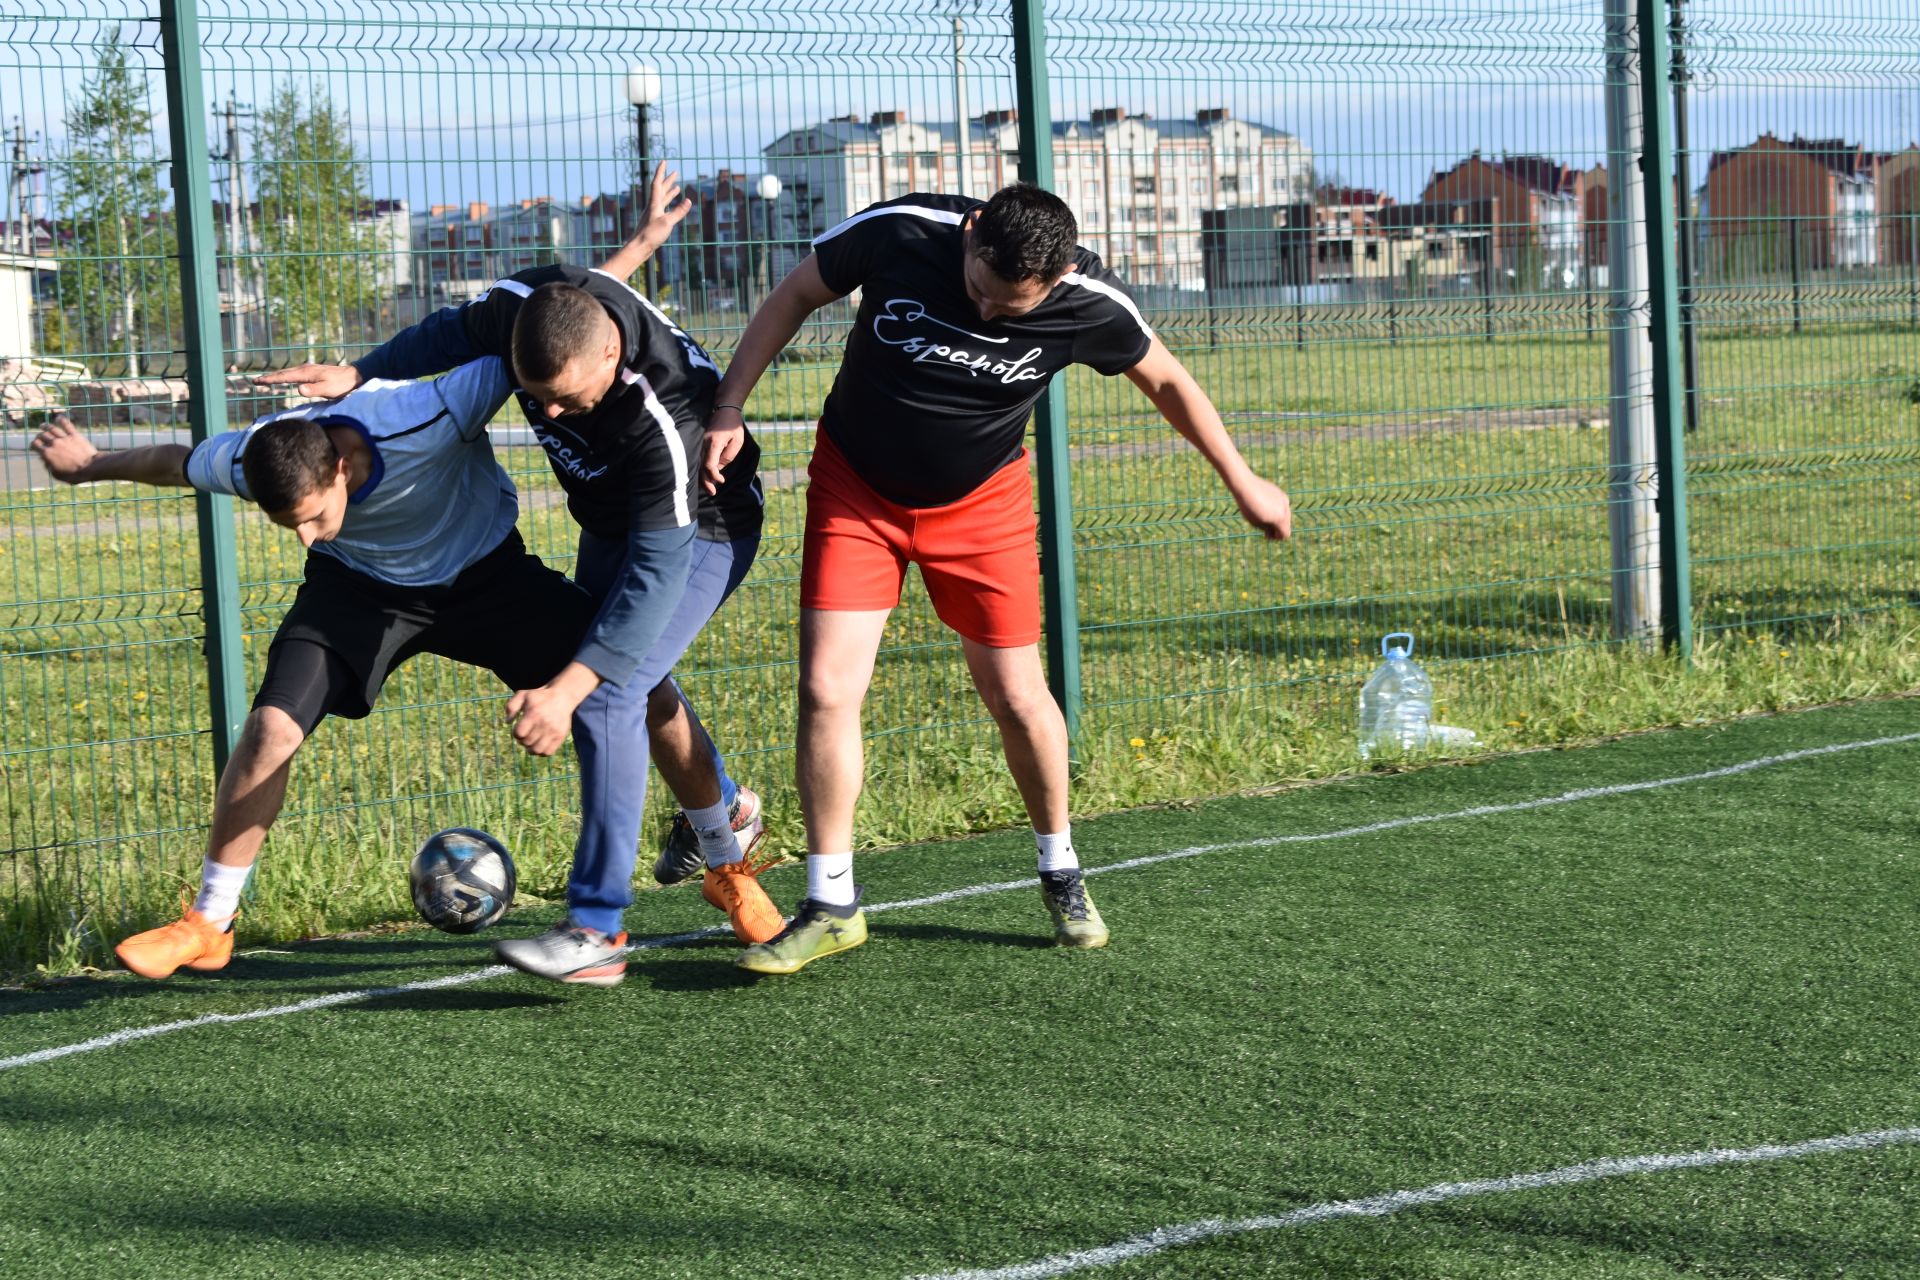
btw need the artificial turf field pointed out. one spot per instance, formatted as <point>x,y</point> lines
<point>1720,964</point>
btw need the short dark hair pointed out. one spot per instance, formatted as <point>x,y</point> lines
<point>557,323</point>
<point>1025,233</point>
<point>287,459</point>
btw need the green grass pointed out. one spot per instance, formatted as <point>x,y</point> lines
<point>1448,487</point>
<point>1718,964</point>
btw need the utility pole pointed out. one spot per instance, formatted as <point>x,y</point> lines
<point>239,232</point>
<point>20,187</point>
<point>1633,517</point>
<point>960,104</point>
<point>127,311</point>
<point>1689,335</point>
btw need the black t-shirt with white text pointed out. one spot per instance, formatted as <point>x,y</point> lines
<point>930,400</point>
<point>633,460</point>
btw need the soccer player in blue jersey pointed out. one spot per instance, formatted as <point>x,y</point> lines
<point>409,523</point>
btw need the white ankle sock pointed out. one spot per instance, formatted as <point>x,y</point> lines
<point>1056,851</point>
<point>830,879</point>
<point>220,887</point>
<point>714,829</point>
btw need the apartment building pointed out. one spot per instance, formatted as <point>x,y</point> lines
<point>1138,185</point>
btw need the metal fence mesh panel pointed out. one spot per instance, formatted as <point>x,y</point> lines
<point>1383,236</point>
<point>102,753</point>
<point>1804,460</point>
<point>1367,230</point>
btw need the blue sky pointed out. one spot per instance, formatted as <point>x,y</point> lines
<point>463,101</point>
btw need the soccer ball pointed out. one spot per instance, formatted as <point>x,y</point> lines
<point>462,880</point>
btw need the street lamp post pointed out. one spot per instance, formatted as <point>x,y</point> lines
<point>643,90</point>
<point>767,188</point>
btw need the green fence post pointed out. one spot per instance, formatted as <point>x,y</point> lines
<point>1058,588</point>
<point>1663,294</point>
<point>206,377</point>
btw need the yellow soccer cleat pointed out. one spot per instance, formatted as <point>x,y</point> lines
<point>1076,921</point>
<point>817,930</point>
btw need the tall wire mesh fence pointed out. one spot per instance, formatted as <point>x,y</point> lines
<point>1385,237</point>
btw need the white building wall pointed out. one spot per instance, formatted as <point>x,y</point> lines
<point>16,308</point>
<point>1137,189</point>
<point>1856,235</point>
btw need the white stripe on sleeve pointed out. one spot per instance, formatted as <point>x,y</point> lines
<point>1106,290</point>
<point>917,210</point>
<point>511,286</point>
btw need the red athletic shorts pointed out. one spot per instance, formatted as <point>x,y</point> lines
<point>977,556</point>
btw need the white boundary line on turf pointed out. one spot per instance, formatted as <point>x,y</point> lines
<point>1418,819</point>
<point>1003,886</point>
<point>1161,1239</point>
<point>307,1006</point>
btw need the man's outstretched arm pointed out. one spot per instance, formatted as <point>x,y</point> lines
<point>798,296</point>
<point>665,209</point>
<point>71,458</point>
<point>1166,382</point>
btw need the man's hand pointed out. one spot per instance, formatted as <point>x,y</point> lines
<point>542,717</point>
<point>1265,506</point>
<point>665,210</point>
<point>726,436</point>
<point>65,450</point>
<point>321,381</point>
<point>665,207</point>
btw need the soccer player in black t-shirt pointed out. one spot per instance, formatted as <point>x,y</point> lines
<point>967,311</point>
<point>617,395</point>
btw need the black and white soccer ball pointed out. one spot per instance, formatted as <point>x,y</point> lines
<point>462,880</point>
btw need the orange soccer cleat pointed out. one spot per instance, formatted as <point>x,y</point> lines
<point>733,889</point>
<point>191,941</point>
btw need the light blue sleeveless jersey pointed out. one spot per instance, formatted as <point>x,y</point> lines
<point>436,500</point>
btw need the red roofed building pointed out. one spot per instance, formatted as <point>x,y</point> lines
<point>1809,202</point>
<point>1540,200</point>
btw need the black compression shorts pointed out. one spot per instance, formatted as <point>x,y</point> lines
<point>347,632</point>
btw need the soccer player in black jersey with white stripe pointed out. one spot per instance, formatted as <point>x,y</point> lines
<point>967,311</point>
<point>617,395</point>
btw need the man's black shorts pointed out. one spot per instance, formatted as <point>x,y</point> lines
<point>346,632</point>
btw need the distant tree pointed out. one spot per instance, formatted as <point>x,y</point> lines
<point>316,236</point>
<point>118,276</point>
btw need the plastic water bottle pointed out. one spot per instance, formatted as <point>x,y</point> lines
<point>1396,704</point>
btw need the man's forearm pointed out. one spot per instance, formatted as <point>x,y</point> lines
<point>640,604</point>
<point>435,345</point>
<point>767,334</point>
<point>155,464</point>
<point>632,255</point>
<point>1190,412</point>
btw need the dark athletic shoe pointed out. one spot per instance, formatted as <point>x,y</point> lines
<point>680,854</point>
<point>1076,921</point>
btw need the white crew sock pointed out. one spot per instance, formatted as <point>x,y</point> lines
<point>220,887</point>
<point>714,829</point>
<point>830,879</point>
<point>1056,852</point>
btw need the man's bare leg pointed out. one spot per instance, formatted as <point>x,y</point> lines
<point>682,752</point>
<point>253,786</point>
<point>1033,732</point>
<point>837,651</point>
